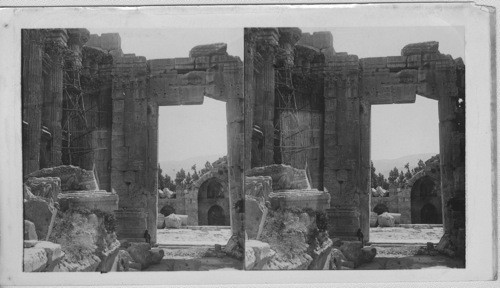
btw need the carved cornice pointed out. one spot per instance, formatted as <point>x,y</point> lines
<point>35,36</point>
<point>289,35</point>
<point>267,41</point>
<point>78,36</point>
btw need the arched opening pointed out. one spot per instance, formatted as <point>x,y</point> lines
<point>212,194</point>
<point>167,210</point>
<point>216,216</point>
<point>428,214</point>
<point>424,200</point>
<point>380,208</point>
<point>214,189</point>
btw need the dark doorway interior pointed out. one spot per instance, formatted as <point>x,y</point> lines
<point>216,216</point>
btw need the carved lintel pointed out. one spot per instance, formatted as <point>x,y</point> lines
<point>267,41</point>
<point>78,36</point>
<point>289,35</point>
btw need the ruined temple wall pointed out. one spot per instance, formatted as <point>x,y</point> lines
<point>301,131</point>
<point>399,201</point>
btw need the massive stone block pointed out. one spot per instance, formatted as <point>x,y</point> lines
<point>173,221</point>
<point>72,177</point>
<point>284,177</point>
<point>352,251</point>
<point>386,220</point>
<point>29,231</point>
<point>321,256</point>
<point>208,50</point>
<point>420,48</point>
<point>258,186</point>
<point>45,187</point>
<point>102,200</point>
<point>259,254</point>
<point>314,199</point>
<point>255,216</point>
<point>34,259</point>
<point>42,214</point>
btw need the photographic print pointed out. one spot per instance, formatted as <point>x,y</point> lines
<point>357,159</point>
<point>125,156</point>
<point>248,144</point>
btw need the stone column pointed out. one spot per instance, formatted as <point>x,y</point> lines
<point>76,39</point>
<point>32,93</point>
<point>133,166</point>
<point>235,109</point>
<point>152,166</point>
<point>267,43</point>
<point>249,82</point>
<point>55,45</point>
<point>365,170</point>
<point>342,159</point>
<point>284,88</point>
<point>451,148</point>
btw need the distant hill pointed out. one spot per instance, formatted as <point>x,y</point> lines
<point>171,167</point>
<point>384,166</point>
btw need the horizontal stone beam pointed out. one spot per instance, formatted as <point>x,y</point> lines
<point>394,94</point>
<point>187,64</point>
<point>182,95</point>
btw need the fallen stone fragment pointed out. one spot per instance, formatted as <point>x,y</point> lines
<point>321,256</point>
<point>261,251</point>
<point>385,220</point>
<point>352,251</point>
<point>258,186</point>
<point>284,177</point>
<point>313,199</point>
<point>34,259</point>
<point>173,221</point>
<point>45,187</point>
<point>157,255</point>
<point>53,251</point>
<point>337,259</point>
<point>88,264</point>
<point>140,253</point>
<point>29,231</point>
<point>42,214</point>
<point>368,254</point>
<point>397,217</point>
<point>72,178</point>
<point>255,216</point>
<point>208,50</point>
<point>122,261</point>
<point>249,258</point>
<point>98,199</point>
<point>420,48</point>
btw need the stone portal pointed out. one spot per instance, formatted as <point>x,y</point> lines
<point>307,104</point>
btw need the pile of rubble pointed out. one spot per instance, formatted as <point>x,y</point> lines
<point>69,225</point>
<point>286,226</point>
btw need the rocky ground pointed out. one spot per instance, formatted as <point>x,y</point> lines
<point>198,235</point>
<point>399,247</point>
<point>193,249</point>
<point>411,234</point>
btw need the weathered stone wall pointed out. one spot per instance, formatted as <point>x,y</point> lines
<point>350,86</point>
<point>399,201</point>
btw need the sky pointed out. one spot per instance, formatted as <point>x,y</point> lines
<point>192,130</point>
<point>397,130</point>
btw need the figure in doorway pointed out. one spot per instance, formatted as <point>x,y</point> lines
<point>360,236</point>
<point>147,237</point>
